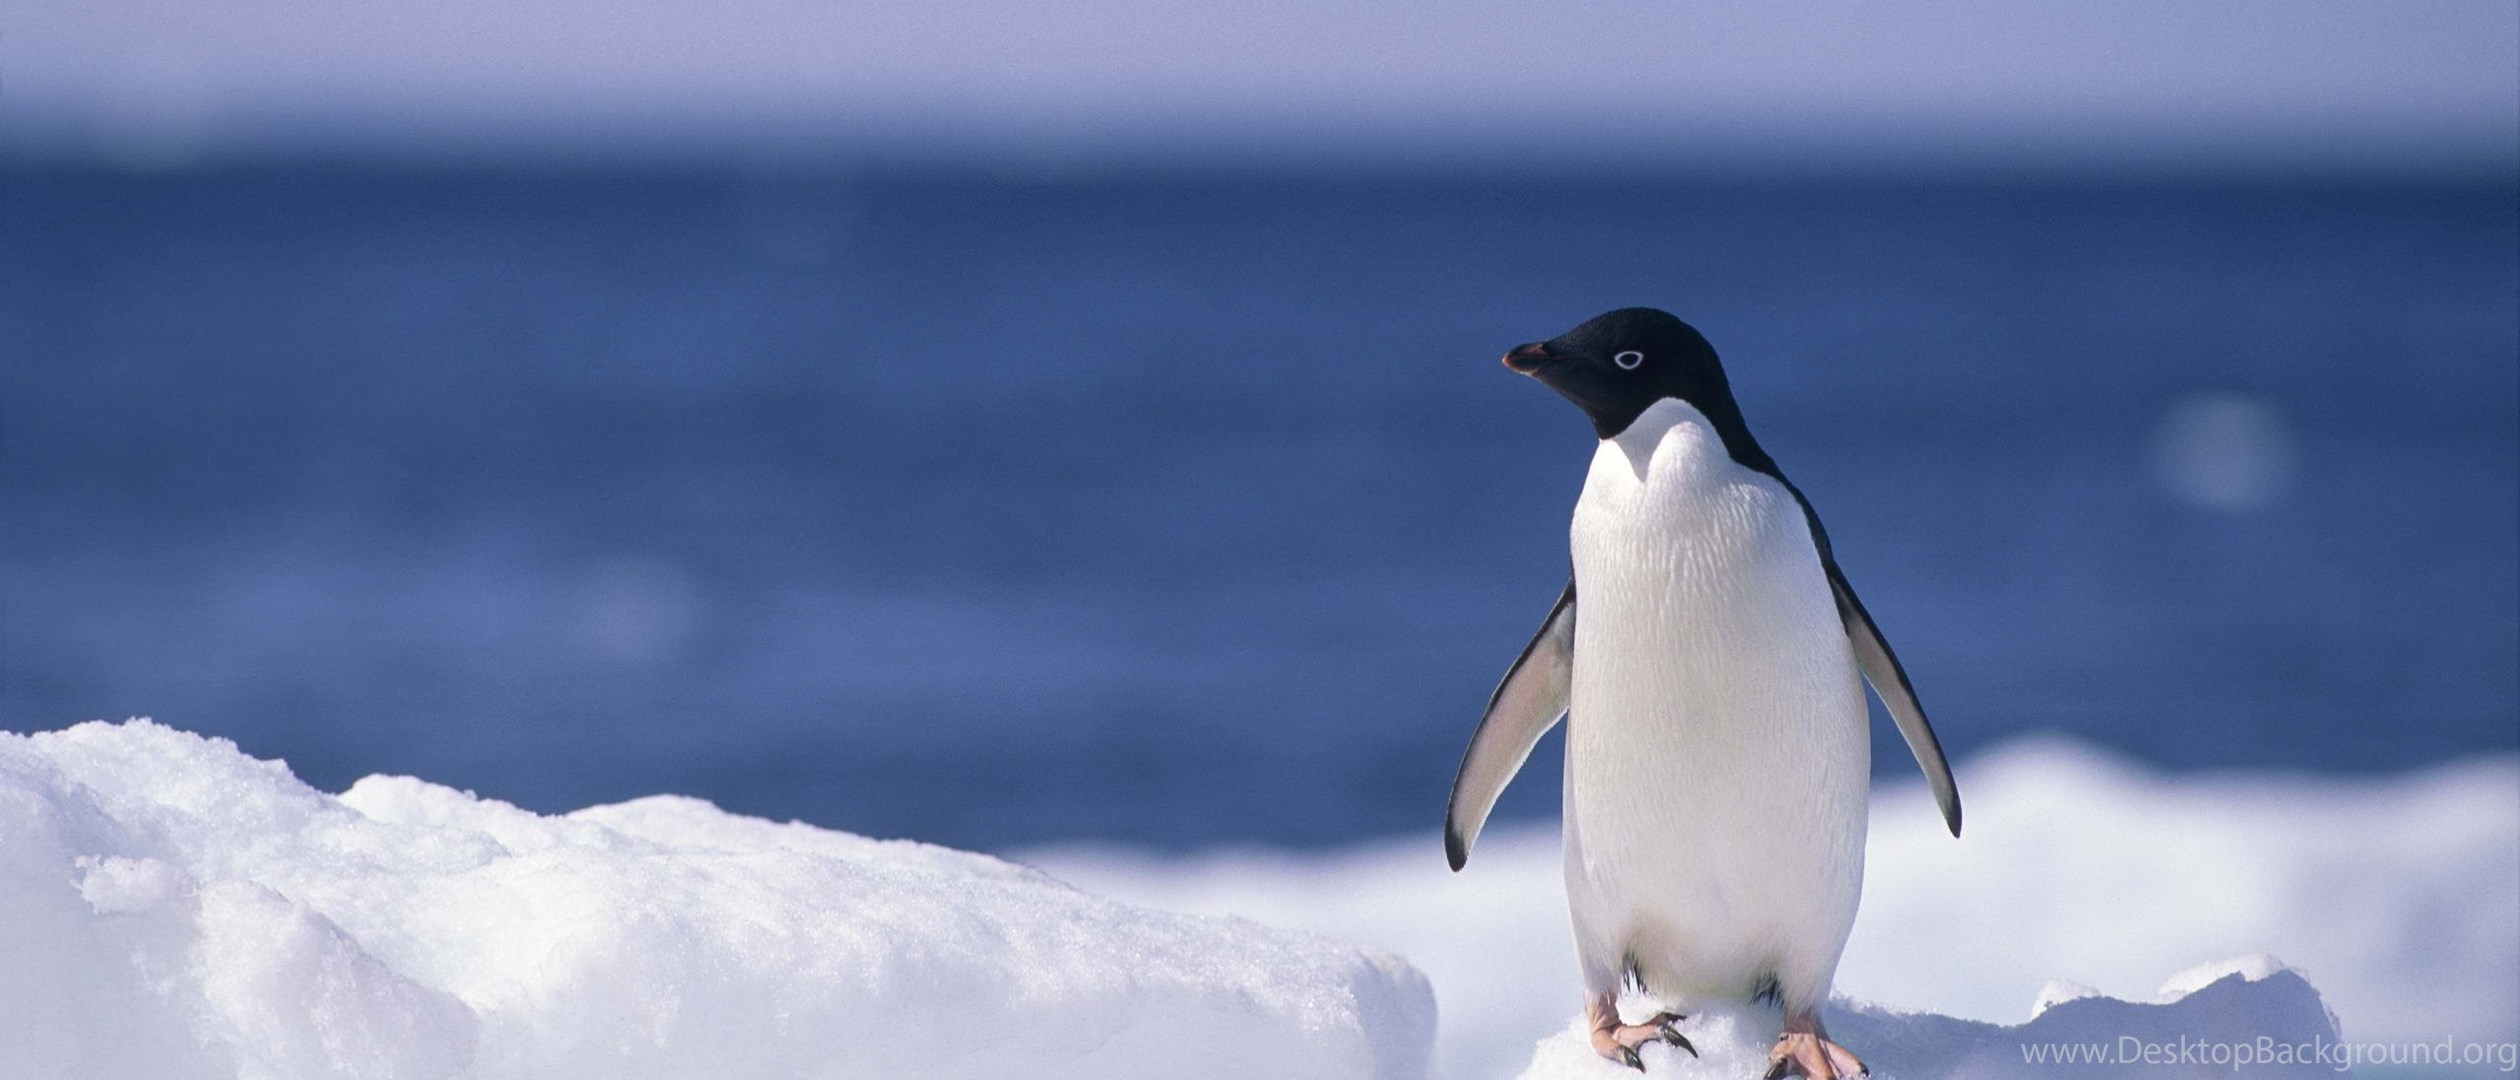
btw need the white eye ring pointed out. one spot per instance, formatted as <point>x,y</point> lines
<point>1628,360</point>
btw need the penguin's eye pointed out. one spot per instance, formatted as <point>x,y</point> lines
<point>1628,360</point>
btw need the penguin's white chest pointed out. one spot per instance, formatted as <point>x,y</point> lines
<point>1716,754</point>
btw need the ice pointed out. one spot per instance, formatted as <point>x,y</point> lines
<point>171,908</point>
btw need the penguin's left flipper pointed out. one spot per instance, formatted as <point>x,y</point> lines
<point>1526,704</point>
<point>1890,681</point>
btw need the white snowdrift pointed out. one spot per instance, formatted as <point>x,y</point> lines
<point>2398,897</point>
<point>170,908</point>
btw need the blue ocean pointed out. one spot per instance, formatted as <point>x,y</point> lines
<point>1178,507</point>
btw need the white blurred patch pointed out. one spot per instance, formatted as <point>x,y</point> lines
<point>636,610</point>
<point>2224,451</point>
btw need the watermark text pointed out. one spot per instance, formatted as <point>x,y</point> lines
<point>2266,1050</point>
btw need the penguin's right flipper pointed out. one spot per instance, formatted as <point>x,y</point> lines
<point>1524,707</point>
<point>1889,680</point>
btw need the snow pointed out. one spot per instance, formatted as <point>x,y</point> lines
<point>2268,1019</point>
<point>171,908</point>
<point>2081,876</point>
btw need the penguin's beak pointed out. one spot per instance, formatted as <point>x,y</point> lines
<point>1529,359</point>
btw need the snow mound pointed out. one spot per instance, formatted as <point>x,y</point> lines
<point>171,908</point>
<point>2082,875</point>
<point>2259,1014</point>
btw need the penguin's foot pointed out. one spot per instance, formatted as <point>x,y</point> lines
<point>1619,1042</point>
<point>1810,1054</point>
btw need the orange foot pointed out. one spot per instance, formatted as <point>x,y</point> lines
<point>1619,1042</point>
<point>1808,1054</point>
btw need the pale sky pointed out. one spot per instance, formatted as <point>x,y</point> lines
<point>2352,83</point>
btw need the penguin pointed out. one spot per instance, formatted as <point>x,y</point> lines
<point>1709,657</point>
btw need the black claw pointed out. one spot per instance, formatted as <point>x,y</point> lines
<point>1669,1027</point>
<point>1629,1055</point>
<point>1775,1070</point>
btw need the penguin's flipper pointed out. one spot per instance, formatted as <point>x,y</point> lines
<point>1524,707</point>
<point>1890,681</point>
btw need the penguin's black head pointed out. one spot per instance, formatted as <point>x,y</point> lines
<point>1618,365</point>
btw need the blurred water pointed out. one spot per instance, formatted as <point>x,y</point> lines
<point>1186,508</point>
